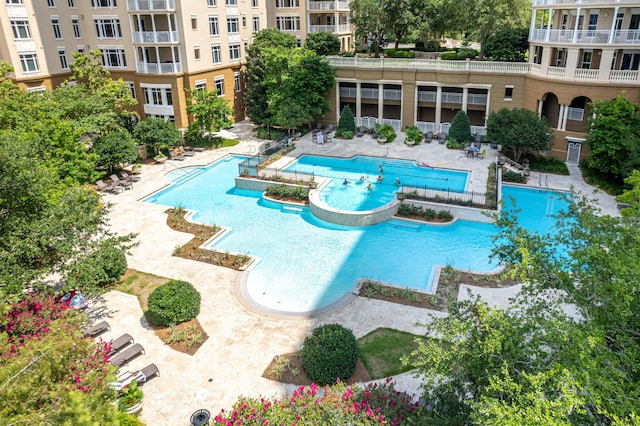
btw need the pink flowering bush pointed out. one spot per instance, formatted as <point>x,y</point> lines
<point>337,404</point>
<point>30,317</point>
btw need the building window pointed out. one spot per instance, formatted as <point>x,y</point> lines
<point>593,23</point>
<point>63,59</point>
<point>232,25</point>
<point>255,23</point>
<point>29,62</point>
<point>132,87</point>
<point>231,2</point>
<point>201,86</point>
<point>537,55</point>
<point>215,54</point>
<point>244,21</point>
<point>157,96</point>
<point>51,3</point>
<point>236,81</point>
<point>298,42</point>
<point>254,3</point>
<point>196,52</point>
<point>113,58</point>
<point>76,28</point>
<point>288,23</point>
<point>108,28</point>
<point>214,29</point>
<point>14,1</point>
<point>211,3</point>
<point>234,51</point>
<point>287,3</point>
<point>218,83</point>
<point>72,4</point>
<point>585,64</point>
<point>56,29</point>
<point>103,3</point>
<point>20,30</point>
<point>194,22</point>
<point>508,93</point>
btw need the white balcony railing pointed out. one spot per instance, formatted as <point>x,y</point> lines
<point>451,98</point>
<point>586,75</point>
<point>347,92</point>
<point>578,3</point>
<point>556,72</point>
<point>424,96</point>
<point>153,68</point>
<point>623,75</point>
<point>478,130</point>
<point>368,93</point>
<point>396,124</point>
<point>585,36</point>
<point>156,37</point>
<point>426,126</point>
<point>430,65</point>
<point>134,5</point>
<point>476,99</point>
<point>393,94</point>
<point>575,114</point>
<point>314,6</point>
<point>151,109</point>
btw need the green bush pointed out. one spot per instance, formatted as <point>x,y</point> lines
<point>173,303</point>
<point>330,353</point>
<point>453,144</point>
<point>287,191</point>
<point>103,266</point>
<point>397,53</point>
<point>386,131</point>
<point>449,56</point>
<point>445,215</point>
<point>429,214</point>
<point>346,134</point>
<point>548,165</point>
<point>460,129</point>
<point>419,45</point>
<point>346,122</point>
<point>511,176</point>
<point>412,135</point>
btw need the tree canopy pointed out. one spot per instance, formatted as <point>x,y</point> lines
<point>460,130</point>
<point>613,137</point>
<point>370,19</point>
<point>156,134</point>
<point>114,148</point>
<point>519,130</point>
<point>323,43</point>
<point>210,110</point>
<point>509,45</point>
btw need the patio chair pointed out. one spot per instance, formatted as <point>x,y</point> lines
<point>428,137</point>
<point>121,182</point>
<point>97,329</point>
<point>129,178</point>
<point>140,376</point>
<point>442,138</point>
<point>477,142</point>
<point>121,342</point>
<point>360,131</point>
<point>186,153</point>
<point>112,187</point>
<point>193,149</point>
<point>175,156</point>
<point>127,355</point>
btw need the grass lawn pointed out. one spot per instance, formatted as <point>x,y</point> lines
<point>381,350</point>
<point>140,284</point>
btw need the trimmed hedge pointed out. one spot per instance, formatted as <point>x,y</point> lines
<point>173,303</point>
<point>330,353</point>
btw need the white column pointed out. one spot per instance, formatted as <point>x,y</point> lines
<point>612,33</point>
<point>575,27</point>
<point>336,21</point>
<point>540,106</point>
<point>606,62</point>
<point>415,105</point>
<point>532,26</point>
<point>548,32</point>
<point>560,117</point>
<point>358,104</point>
<point>380,102</point>
<point>465,98</point>
<point>438,108</point>
<point>338,110</point>
<point>564,119</point>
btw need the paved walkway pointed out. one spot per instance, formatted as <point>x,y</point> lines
<point>241,342</point>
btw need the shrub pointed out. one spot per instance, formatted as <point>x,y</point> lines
<point>287,191</point>
<point>386,131</point>
<point>460,129</point>
<point>346,123</point>
<point>449,56</point>
<point>413,135</point>
<point>347,134</point>
<point>511,176</point>
<point>329,354</point>
<point>548,165</point>
<point>420,45</point>
<point>453,144</point>
<point>433,45</point>
<point>445,215</point>
<point>173,303</point>
<point>103,266</point>
<point>429,214</point>
<point>397,53</point>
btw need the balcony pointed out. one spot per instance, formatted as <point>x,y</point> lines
<point>338,29</point>
<point>154,68</point>
<point>151,109</point>
<point>313,6</point>
<point>579,3</point>
<point>136,5</point>
<point>156,37</point>
<point>586,37</point>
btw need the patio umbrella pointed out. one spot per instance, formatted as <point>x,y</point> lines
<point>78,301</point>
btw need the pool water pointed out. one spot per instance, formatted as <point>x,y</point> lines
<point>360,171</point>
<point>306,264</point>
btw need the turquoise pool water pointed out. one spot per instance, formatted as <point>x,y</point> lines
<point>360,171</point>
<point>306,264</point>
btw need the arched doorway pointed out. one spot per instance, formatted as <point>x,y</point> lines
<point>577,114</point>
<point>550,109</point>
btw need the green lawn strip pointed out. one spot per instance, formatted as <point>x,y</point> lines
<point>140,284</point>
<point>381,350</point>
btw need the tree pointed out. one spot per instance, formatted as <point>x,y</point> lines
<point>510,45</point>
<point>346,123</point>
<point>460,130</point>
<point>370,19</point>
<point>323,43</point>
<point>156,134</point>
<point>519,130</point>
<point>114,148</point>
<point>297,82</point>
<point>211,112</point>
<point>256,93</point>
<point>613,137</point>
<point>402,15</point>
<point>631,196</point>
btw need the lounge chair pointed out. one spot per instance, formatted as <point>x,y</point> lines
<point>112,187</point>
<point>442,138</point>
<point>194,148</point>
<point>428,137</point>
<point>121,182</point>
<point>360,131</point>
<point>97,329</point>
<point>174,156</point>
<point>186,153</point>
<point>140,376</point>
<point>121,342</point>
<point>127,355</point>
<point>129,178</point>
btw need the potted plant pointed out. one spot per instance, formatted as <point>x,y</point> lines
<point>413,136</point>
<point>526,171</point>
<point>130,400</point>
<point>136,169</point>
<point>160,157</point>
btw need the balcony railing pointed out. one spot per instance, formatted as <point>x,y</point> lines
<point>347,92</point>
<point>586,75</point>
<point>153,68</point>
<point>342,28</point>
<point>623,75</point>
<point>368,93</point>
<point>575,114</point>
<point>425,96</point>
<point>578,3</point>
<point>476,99</point>
<point>393,94</point>
<point>156,37</point>
<point>586,36</point>
<point>313,6</point>
<point>135,5</point>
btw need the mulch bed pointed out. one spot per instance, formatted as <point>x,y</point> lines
<point>295,363</point>
<point>184,346</point>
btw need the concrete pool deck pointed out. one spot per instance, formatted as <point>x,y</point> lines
<point>241,342</point>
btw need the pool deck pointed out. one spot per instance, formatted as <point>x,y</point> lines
<point>242,342</point>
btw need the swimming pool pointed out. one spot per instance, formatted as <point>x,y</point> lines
<point>350,178</point>
<point>306,264</point>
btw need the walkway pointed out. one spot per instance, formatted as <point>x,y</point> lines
<point>242,343</point>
